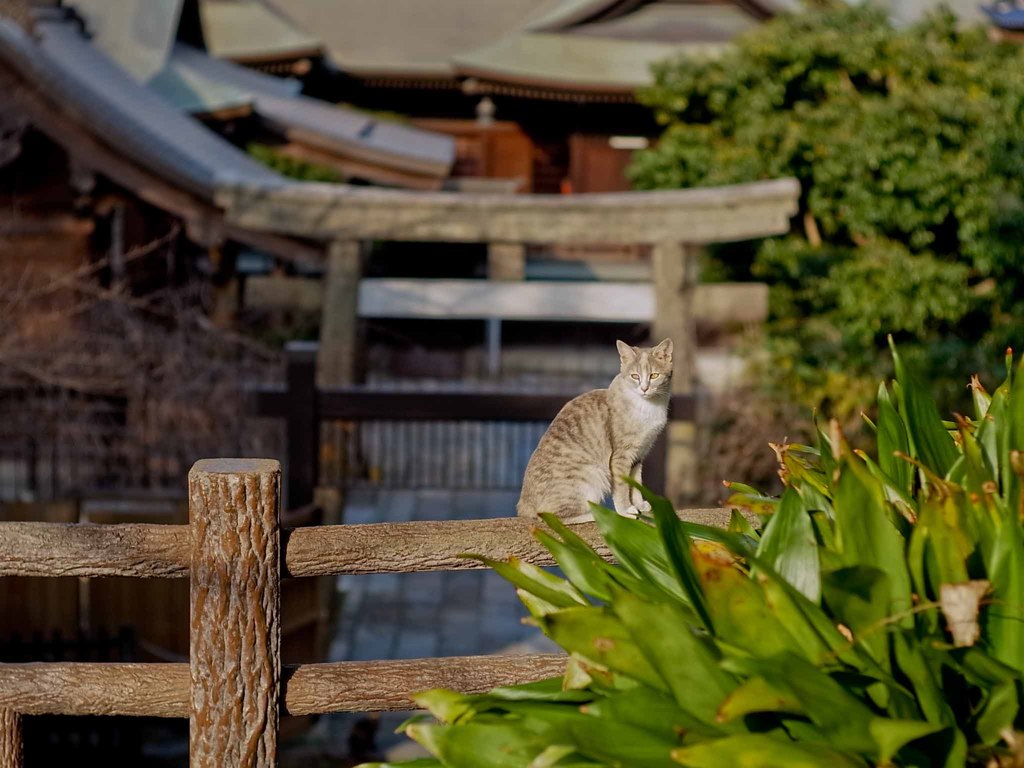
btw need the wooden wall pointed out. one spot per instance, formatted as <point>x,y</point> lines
<point>596,166</point>
<point>500,150</point>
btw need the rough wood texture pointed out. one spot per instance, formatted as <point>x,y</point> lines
<point>235,654</point>
<point>45,549</point>
<point>10,739</point>
<point>162,690</point>
<point>706,215</point>
<point>676,267</point>
<point>380,686</point>
<point>58,549</point>
<point>432,545</point>
<point>65,688</point>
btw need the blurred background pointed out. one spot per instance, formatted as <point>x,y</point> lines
<point>150,316</point>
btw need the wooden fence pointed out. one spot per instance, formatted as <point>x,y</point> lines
<point>235,554</point>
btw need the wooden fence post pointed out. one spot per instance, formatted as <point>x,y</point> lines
<point>302,426</point>
<point>235,630</point>
<point>675,274</point>
<point>10,739</point>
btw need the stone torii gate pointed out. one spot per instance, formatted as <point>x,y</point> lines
<point>677,224</point>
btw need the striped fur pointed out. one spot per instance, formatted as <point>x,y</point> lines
<point>600,437</point>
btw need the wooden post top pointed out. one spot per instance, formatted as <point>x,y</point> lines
<point>235,466</point>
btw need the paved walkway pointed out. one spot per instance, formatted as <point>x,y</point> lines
<point>420,615</point>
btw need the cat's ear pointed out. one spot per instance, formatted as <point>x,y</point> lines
<point>626,353</point>
<point>663,351</point>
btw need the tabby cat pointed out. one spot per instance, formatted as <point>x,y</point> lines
<point>600,437</point>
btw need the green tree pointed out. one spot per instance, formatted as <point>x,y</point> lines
<point>909,149</point>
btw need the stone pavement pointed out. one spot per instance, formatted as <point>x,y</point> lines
<point>421,615</point>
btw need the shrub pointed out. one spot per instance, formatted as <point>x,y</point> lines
<point>877,618</point>
<point>908,149</point>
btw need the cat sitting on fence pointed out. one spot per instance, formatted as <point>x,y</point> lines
<point>600,437</point>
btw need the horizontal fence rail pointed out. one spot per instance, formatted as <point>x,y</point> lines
<point>162,551</point>
<point>361,404</point>
<point>162,690</point>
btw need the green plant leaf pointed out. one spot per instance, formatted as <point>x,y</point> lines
<point>757,695</point>
<point>618,743</point>
<point>550,689</point>
<point>638,547</point>
<point>948,546</point>
<point>678,548</point>
<point>924,678</point>
<point>740,525</point>
<point>788,543</point>
<point>980,398</point>
<point>547,586</point>
<point>858,596</point>
<point>1015,439</point>
<point>1004,616</point>
<point>740,612</point>
<point>759,751</point>
<point>866,536</point>
<point>503,744</point>
<point>841,717</point>
<point>552,756</point>
<point>998,712</point>
<point>977,473</point>
<point>980,668</point>
<point>928,438</point>
<point>599,635</point>
<point>892,735</point>
<point>666,635</point>
<point>655,711</point>
<point>799,615</point>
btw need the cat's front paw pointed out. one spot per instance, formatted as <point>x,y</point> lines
<point>630,512</point>
<point>643,506</point>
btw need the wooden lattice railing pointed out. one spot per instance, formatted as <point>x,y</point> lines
<point>235,553</point>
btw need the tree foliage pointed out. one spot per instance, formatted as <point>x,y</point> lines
<point>908,147</point>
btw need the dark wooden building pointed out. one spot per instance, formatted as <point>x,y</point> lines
<point>542,91</point>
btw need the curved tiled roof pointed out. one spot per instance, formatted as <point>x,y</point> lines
<point>68,70</point>
<point>572,45</point>
<point>342,130</point>
<point>418,38</point>
<point>140,36</point>
<point>252,30</point>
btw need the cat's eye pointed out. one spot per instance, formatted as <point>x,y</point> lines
<point>635,376</point>
<point>655,375</point>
